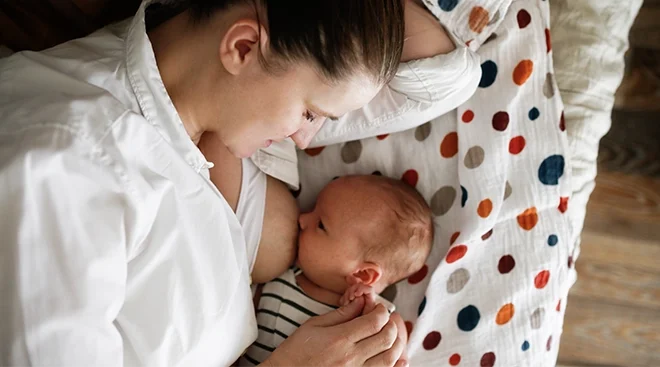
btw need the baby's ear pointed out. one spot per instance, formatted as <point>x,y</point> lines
<point>367,274</point>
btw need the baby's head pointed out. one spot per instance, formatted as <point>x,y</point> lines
<point>364,229</point>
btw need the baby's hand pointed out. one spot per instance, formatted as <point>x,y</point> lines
<point>355,291</point>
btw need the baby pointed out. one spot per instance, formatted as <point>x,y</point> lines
<point>364,234</point>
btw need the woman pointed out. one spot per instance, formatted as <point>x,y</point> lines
<point>116,247</point>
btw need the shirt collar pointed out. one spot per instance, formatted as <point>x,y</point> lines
<point>148,86</point>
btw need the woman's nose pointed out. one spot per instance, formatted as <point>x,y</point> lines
<point>306,133</point>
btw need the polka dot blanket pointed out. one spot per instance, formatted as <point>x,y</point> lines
<point>494,173</point>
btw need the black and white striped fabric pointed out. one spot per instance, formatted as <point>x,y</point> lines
<point>283,307</point>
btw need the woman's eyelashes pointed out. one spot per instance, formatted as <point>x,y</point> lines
<point>309,116</point>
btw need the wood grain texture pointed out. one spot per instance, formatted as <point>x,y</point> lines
<point>609,334</point>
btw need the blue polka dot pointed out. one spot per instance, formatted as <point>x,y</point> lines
<point>551,170</point>
<point>468,318</point>
<point>488,74</point>
<point>534,114</point>
<point>525,346</point>
<point>552,240</point>
<point>421,307</point>
<point>464,196</point>
<point>447,5</point>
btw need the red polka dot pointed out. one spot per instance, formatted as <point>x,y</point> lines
<point>562,122</point>
<point>488,360</point>
<point>456,253</point>
<point>468,43</point>
<point>500,121</point>
<point>455,359</point>
<point>468,116</point>
<point>432,340</point>
<point>449,145</point>
<point>541,279</point>
<point>409,328</point>
<point>523,71</point>
<point>516,145</point>
<point>570,262</point>
<point>410,177</point>
<point>419,276</point>
<point>523,18</point>
<point>454,237</point>
<point>506,264</point>
<point>563,204</point>
<point>548,345</point>
<point>548,42</point>
<point>312,152</point>
<point>487,235</point>
<point>382,137</point>
<point>558,306</point>
<point>528,219</point>
<point>485,208</point>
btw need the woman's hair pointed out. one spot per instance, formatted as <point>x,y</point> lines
<point>342,37</point>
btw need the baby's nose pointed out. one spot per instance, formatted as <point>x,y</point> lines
<point>301,221</point>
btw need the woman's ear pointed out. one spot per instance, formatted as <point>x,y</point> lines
<point>241,44</point>
<point>366,273</point>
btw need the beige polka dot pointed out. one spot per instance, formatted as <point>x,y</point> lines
<point>443,200</point>
<point>389,293</point>
<point>507,190</point>
<point>474,157</point>
<point>457,280</point>
<point>422,132</point>
<point>351,151</point>
<point>537,318</point>
<point>548,86</point>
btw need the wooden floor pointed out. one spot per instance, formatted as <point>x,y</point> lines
<point>613,311</point>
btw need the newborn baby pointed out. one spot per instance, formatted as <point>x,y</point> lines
<point>364,234</point>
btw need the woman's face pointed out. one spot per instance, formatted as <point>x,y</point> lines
<point>271,107</point>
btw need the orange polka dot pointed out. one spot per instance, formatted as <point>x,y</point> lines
<point>382,137</point>
<point>541,279</point>
<point>505,314</point>
<point>478,19</point>
<point>528,219</point>
<point>516,145</point>
<point>449,145</point>
<point>563,204</point>
<point>468,116</point>
<point>409,327</point>
<point>485,207</point>
<point>454,237</point>
<point>522,71</point>
<point>455,359</point>
<point>312,152</point>
<point>456,253</point>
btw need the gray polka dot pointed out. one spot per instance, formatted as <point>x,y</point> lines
<point>537,318</point>
<point>474,157</point>
<point>351,151</point>
<point>422,132</point>
<point>507,190</point>
<point>457,280</point>
<point>389,293</point>
<point>443,200</point>
<point>548,86</point>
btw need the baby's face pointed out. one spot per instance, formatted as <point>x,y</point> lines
<point>330,236</point>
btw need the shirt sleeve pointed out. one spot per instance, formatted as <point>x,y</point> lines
<point>421,91</point>
<point>63,253</point>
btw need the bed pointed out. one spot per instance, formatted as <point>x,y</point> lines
<point>508,174</point>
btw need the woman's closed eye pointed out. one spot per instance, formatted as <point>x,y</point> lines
<point>321,226</point>
<point>310,116</point>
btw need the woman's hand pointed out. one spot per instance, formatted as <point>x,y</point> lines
<point>424,36</point>
<point>341,338</point>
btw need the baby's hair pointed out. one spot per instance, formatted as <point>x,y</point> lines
<point>404,240</point>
